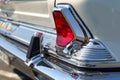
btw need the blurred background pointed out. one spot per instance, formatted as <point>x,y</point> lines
<point>11,73</point>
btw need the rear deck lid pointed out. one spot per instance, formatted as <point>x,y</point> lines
<point>37,12</point>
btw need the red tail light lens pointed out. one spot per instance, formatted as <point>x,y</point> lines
<point>64,33</point>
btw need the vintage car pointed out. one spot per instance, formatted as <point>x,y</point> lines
<point>61,39</point>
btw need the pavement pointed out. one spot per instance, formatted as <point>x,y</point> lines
<point>10,73</point>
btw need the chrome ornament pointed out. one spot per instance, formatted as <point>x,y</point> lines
<point>94,51</point>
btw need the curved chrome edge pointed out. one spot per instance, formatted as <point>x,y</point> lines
<point>11,48</point>
<point>53,73</point>
<point>19,27</point>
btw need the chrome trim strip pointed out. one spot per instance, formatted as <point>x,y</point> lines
<point>80,22</point>
<point>14,50</point>
<point>20,37</point>
<point>53,73</point>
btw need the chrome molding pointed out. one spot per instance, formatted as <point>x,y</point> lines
<point>93,54</point>
<point>53,73</point>
<point>94,51</point>
<point>23,32</point>
<point>11,48</point>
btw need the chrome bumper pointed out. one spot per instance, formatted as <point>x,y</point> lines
<point>53,73</point>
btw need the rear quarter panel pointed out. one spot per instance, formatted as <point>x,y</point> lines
<point>102,18</point>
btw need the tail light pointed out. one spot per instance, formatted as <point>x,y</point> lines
<point>64,33</point>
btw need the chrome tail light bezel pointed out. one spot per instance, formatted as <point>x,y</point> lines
<point>80,31</point>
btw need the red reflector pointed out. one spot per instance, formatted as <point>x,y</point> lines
<point>64,33</point>
<point>40,34</point>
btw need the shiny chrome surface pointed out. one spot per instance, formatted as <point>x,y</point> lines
<point>94,51</point>
<point>16,56</point>
<point>87,56</point>
<point>81,24</point>
<point>12,48</point>
<point>17,53</point>
<point>23,32</point>
<point>56,74</point>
